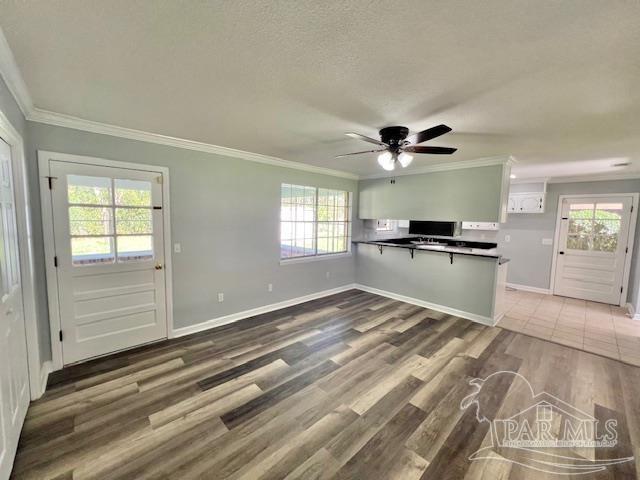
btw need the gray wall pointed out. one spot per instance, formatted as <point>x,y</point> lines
<point>466,285</point>
<point>11,110</point>
<point>224,213</point>
<point>530,260</point>
<point>465,194</point>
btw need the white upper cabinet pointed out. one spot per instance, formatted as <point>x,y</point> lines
<point>527,198</point>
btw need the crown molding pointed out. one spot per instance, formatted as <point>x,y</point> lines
<point>68,121</point>
<point>442,167</point>
<point>595,178</point>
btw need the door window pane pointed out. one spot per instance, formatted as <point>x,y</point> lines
<point>92,250</point>
<point>580,226</point>
<point>132,221</point>
<point>578,242</point>
<point>132,193</point>
<point>90,221</point>
<point>87,190</point>
<point>136,247</point>
<point>609,211</point>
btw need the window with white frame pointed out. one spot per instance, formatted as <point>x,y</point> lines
<point>314,221</point>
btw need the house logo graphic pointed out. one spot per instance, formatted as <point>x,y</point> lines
<point>540,431</point>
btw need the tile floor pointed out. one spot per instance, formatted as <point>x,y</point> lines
<point>594,327</point>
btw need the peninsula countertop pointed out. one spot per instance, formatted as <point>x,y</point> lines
<point>469,248</point>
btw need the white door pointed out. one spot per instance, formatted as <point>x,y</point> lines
<point>14,377</point>
<point>592,248</point>
<point>108,230</point>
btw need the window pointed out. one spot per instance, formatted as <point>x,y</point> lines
<point>594,226</point>
<point>314,221</point>
<point>109,220</point>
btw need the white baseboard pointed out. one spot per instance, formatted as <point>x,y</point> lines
<point>526,288</point>
<point>45,370</point>
<point>234,317</point>
<point>433,306</point>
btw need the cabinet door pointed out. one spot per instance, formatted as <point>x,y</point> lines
<point>531,203</point>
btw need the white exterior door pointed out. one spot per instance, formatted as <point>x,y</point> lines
<point>109,247</point>
<point>592,248</point>
<point>14,376</point>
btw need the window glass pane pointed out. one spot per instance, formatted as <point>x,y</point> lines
<point>285,193</point>
<point>578,242</point>
<point>580,226</point>
<point>605,243</point>
<point>89,190</point>
<point>131,221</point>
<point>92,250</point>
<point>609,211</point>
<point>138,247</point>
<point>90,221</point>
<point>134,193</point>
<point>287,231</point>
<point>581,210</point>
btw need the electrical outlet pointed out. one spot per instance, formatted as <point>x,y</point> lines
<point>221,297</point>
<point>547,241</point>
<point>507,238</point>
<point>177,248</point>
<point>328,274</point>
<point>270,287</point>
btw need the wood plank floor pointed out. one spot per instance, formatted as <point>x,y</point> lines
<point>352,386</point>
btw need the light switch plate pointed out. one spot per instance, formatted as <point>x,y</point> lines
<point>507,238</point>
<point>547,241</point>
<point>177,248</point>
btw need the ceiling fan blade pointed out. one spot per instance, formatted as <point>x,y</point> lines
<point>358,153</point>
<point>357,136</point>
<point>428,134</point>
<point>431,150</point>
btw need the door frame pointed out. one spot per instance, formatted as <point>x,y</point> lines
<point>38,372</point>
<point>49,244</point>
<point>630,238</point>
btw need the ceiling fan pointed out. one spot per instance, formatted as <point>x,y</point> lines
<point>397,147</point>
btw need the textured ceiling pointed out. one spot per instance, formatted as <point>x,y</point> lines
<point>545,81</point>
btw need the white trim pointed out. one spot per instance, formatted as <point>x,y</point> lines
<point>47,368</point>
<point>314,258</point>
<point>632,311</point>
<point>595,178</point>
<point>527,288</point>
<point>630,239</point>
<point>441,167</point>
<point>13,78</point>
<point>234,317</point>
<point>433,306</point>
<point>49,246</point>
<point>25,245</point>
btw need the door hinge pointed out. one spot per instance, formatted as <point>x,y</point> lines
<point>632,208</point>
<point>55,261</point>
<point>50,180</point>
<point>157,208</point>
<point>626,249</point>
<point>621,289</point>
<point>60,334</point>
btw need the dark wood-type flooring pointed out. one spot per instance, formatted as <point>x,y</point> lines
<point>352,386</point>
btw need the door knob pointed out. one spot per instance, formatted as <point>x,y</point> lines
<point>158,266</point>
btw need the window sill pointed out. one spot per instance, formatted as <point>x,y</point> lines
<point>315,258</point>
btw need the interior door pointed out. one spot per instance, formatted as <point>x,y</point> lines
<point>592,248</point>
<point>108,229</point>
<point>14,376</point>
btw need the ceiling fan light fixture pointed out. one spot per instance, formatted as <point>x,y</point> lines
<point>385,160</point>
<point>405,159</point>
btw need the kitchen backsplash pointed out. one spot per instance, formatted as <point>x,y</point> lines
<point>369,232</point>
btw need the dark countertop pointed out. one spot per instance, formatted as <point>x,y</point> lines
<point>477,252</point>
